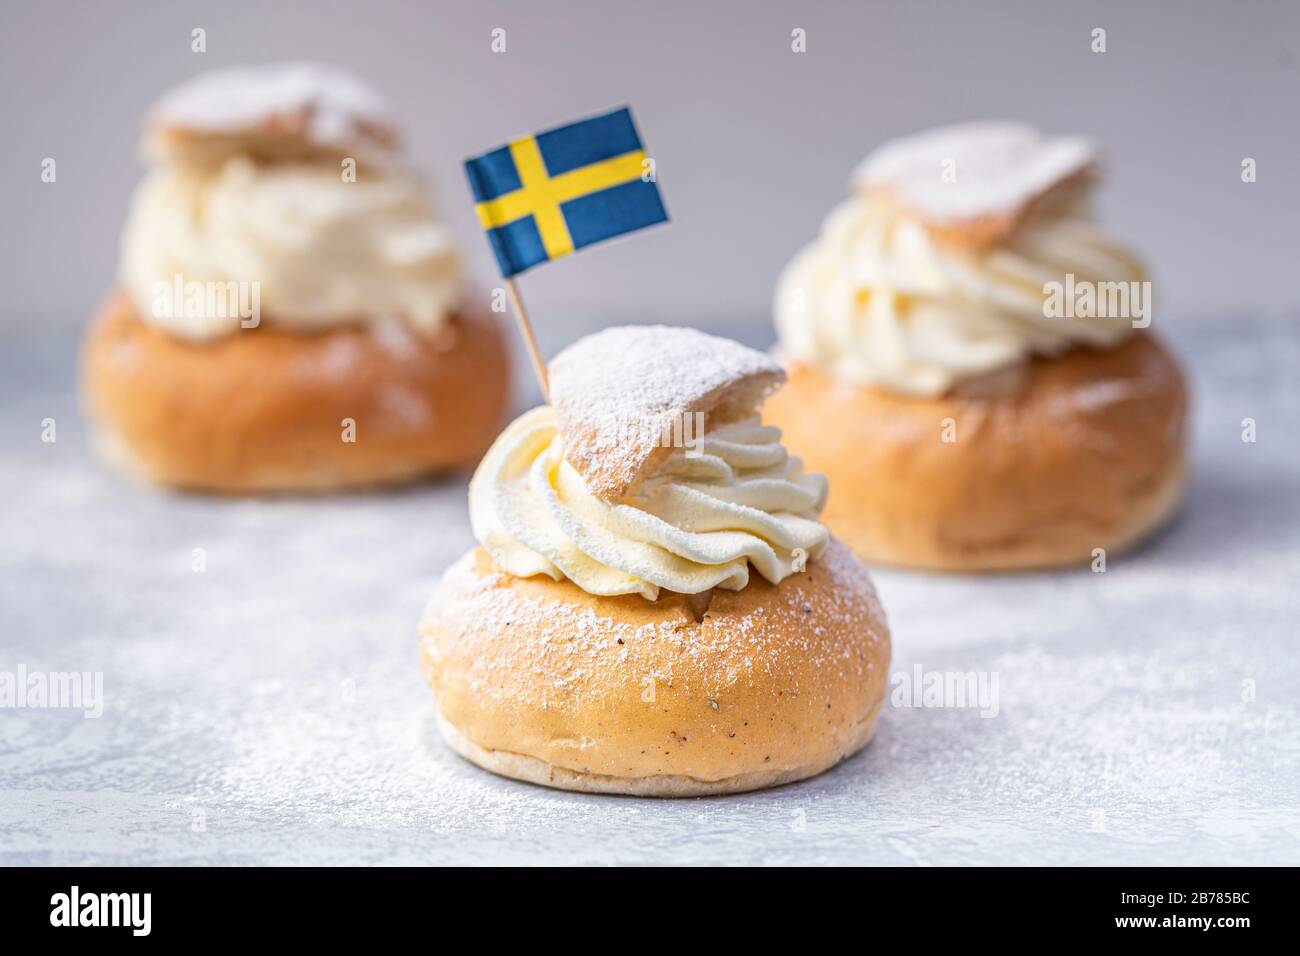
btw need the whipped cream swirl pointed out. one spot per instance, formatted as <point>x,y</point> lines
<point>877,300</point>
<point>699,522</point>
<point>324,252</point>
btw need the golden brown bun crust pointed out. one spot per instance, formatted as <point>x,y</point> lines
<point>262,410</point>
<point>538,680</point>
<point>1087,450</point>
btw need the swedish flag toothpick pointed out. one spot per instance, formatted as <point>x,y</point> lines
<point>547,195</point>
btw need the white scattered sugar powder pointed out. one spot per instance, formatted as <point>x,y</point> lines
<point>646,376</point>
<point>570,644</point>
<point>1002,165</point>
<point>337,104</point>
<point>1147,715</point>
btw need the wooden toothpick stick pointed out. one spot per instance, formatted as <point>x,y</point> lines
<point>526,327</point>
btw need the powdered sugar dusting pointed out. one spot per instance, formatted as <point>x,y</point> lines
<point>996,169</point>
<point>272,710</point>
<point>569,643</point>
<point>650,376</point>
<point>338,107</point>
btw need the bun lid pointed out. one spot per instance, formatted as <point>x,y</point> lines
<point>273,111</point>
<point>618,393</point>
<point>973,183</point>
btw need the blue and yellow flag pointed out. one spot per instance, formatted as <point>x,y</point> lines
<point>546,195</point>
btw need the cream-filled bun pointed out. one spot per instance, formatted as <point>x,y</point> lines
<point>655,607</point>
<point>283,273</point>
<point>957,321</point>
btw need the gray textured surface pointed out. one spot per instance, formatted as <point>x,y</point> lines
<point>271,710</point>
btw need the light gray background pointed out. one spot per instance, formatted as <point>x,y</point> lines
<point>754,143</point>
<point>271,709</point>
